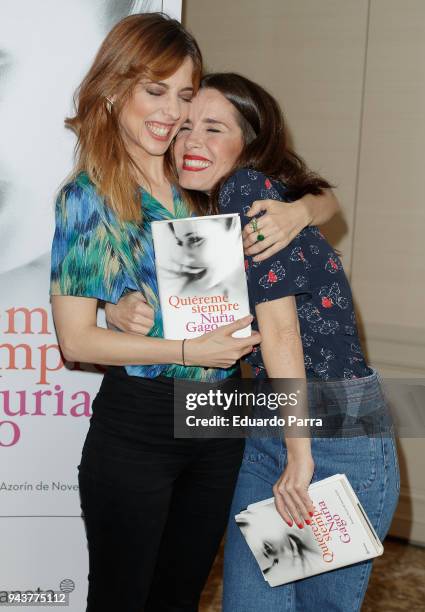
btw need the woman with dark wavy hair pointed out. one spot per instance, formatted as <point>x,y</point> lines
<point>233,150</point>
<point>304,311</point>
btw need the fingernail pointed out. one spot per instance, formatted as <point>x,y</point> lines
<point>290,523</point>
<point>308,522</point>
<point>300,525</point>
<point>311,513</point>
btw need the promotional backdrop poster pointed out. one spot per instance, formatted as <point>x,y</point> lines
<point>46,47</point>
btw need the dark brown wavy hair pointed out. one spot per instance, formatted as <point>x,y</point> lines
<point>148,45</point>
<point>266,147</point>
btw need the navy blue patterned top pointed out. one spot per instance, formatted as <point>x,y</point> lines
<point>309,269</point>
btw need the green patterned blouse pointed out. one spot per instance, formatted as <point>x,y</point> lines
<point>96,255</point>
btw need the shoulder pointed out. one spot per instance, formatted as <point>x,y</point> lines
<point>246,185</point>
<point>79,188</point>
<point>79,204</point>
<point>250,177</point>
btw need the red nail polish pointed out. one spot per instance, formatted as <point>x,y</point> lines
<point>290,523</point>
<point>311,513</point>
<point>300,525</point>
<point>308,522</point>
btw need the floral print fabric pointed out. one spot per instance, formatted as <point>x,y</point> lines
<point>310,270</point>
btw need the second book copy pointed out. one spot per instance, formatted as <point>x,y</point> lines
<point>201,274</point>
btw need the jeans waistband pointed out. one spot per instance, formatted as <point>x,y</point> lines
<point>356,395</point>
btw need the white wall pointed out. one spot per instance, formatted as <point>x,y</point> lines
<point>349,75</point>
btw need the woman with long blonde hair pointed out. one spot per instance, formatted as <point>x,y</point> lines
<point>155,507</point>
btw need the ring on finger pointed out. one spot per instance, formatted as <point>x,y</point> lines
<point>253,223</point>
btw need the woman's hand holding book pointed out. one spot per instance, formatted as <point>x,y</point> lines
<point>131,314</point>
<point>291,490</point>
<point>218,349</point>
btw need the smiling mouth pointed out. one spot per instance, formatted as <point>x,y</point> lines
<point>194,163</point>
<point>194,274</point>
<point>160,131</point>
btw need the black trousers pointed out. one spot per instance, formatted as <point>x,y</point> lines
<point>155,507</point>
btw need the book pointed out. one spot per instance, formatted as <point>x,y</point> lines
<point>201,274</point>
<point>340,534</point>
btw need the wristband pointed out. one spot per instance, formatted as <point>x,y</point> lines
<point>183,341</point>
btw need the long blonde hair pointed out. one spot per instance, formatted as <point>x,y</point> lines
<point>148,45</point>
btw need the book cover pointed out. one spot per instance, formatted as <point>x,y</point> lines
<point>201,274</point>
<point>340,534</point>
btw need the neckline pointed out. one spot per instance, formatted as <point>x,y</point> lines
<point>159,204</point>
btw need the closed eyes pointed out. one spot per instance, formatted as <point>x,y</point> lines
<point>159,89</point>
<point>186,128</point>
<point>157,94</point>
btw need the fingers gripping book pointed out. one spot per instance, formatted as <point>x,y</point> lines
<point>340,534</point>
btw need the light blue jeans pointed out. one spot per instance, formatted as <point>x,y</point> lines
<point>371,465</point>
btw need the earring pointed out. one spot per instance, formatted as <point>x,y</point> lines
<point>109,104</point>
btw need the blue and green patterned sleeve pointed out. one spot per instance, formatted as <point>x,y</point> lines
<point>83,260</point>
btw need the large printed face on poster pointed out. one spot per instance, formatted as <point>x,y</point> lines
<point>45,49</point>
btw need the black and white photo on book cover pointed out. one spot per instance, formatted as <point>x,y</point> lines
<point>339,535</point>
<point>201,274</point>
